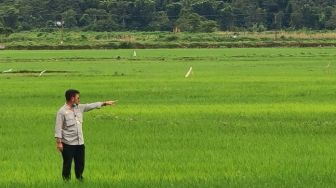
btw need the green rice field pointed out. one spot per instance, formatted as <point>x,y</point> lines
<point>261,117</point>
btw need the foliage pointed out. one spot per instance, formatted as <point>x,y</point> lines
<point>163,15</point>
<point>198,37</point>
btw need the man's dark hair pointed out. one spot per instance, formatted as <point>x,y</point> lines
<point>70,93</point>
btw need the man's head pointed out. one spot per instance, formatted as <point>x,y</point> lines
<point>72,96</point>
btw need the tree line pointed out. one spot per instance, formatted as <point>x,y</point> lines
<point>166,15</point>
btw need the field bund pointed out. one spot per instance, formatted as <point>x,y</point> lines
<point>58,40</point>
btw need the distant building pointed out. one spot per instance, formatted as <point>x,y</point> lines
<point>2,46</point>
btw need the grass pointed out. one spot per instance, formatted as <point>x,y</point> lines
<point>130,40</point>
<point>246,117</point>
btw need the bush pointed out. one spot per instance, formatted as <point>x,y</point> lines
<point>209,26</point>
<point>83,37</point>
<point>125,45</point>
<point>6,31</point>
<point>258,28</point>
<point>171,38</point>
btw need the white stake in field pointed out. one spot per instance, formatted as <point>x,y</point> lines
<point>42,73</point>
<point>6,71</point>
<point>327,68</point>
<point>189,72</point>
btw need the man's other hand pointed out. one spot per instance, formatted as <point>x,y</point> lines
<point>59,146</point>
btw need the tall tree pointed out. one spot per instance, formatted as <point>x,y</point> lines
<point>9,16</point>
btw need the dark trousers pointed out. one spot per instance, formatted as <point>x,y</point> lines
<point>76,152</point>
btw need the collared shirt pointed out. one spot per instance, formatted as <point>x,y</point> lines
<point>69,123</point>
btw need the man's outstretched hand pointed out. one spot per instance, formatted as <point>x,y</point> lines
<point>109,103</point>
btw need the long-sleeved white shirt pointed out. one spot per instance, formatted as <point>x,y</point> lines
<point>69,123</point>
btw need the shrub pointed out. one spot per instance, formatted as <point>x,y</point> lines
<point>171,38</point>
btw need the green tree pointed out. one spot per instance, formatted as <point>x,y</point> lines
<point>287,15</point>
<point>278,20</point>
<point>96,14</point>
<point>189,22</point>
<point>256,16</point>
<point>84,20</point>
<point>9,16</point>
<point>142,14</point>
<point>69,18</point>
<point>310,15</point>
<point>153,14</point>
<point>160,22</point>
<point>205,8</point>
<point>87,4</point>
<point>331,23</point>
<point>239,17</point>
<point>174,10</point>
<point>226,17</point>
<point>209,26</point>
<point>121,10</point>
<point>108,24</point>
<point>5,31</point>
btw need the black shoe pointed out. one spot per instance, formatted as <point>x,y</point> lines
<point>81,179</point>
<point>66,179</point>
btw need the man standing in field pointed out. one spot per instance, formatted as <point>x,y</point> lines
<point>69,134</point>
